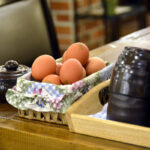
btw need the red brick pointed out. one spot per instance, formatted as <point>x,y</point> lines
<point>86,3</point>
<point>98,34</point>
<point>84,38</point>
<point>78,3</point>
<point>91,24</point>
<point>59,5</point>
<point>95,1</point>
<point>64,41</point>
<point>63,18</point>
<point>63,30</point>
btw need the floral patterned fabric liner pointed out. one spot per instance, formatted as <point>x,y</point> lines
<point>46,97</point>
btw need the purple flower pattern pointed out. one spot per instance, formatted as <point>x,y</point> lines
<point>14,88</point>
<point>78,85</point>
<point>38,92</point>
<point>55,101</point>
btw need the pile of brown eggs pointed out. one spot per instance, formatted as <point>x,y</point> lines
<point>75,66</point>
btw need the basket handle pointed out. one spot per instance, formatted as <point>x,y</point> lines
<point>88,99</point>
<point>103,85</point>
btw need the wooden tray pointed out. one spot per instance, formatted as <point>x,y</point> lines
<point>79,121</point>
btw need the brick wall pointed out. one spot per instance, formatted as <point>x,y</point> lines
<point>89,31</point>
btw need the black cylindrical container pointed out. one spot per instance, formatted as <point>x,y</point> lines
<point>128,109</point>
<point>130,87</point>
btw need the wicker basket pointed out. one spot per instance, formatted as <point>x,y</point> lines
<point>43,116</point>
<point>36,106</point>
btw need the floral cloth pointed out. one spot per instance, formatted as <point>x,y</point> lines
<point>46,97</point>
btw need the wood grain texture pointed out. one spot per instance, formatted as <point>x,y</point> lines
<point>80,122</point>
<point>87,104</point>
<point>17,133</point>
<point>88,101</point>
<point>111,130</point>
<point>111,51</point>
<point>24,134</point>
<point>7,111</point>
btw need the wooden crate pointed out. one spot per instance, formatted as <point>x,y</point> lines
<point>79,121</point>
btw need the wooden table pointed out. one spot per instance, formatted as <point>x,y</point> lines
<point>22,134</point>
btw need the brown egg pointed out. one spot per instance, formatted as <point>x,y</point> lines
<point>94,64</point>
<point>71,71</point>
<point>84,73</point>
<point>58,66</point>
<point>79,51</point>
<point>52,78</point>
<point>64,57</point>
<point>43,66</point>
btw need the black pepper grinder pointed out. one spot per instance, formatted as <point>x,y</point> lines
<point>130,87</point>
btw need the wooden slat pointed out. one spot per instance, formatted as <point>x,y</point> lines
<point>111,130</point>
<point>22,134</point>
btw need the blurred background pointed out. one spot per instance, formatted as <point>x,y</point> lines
<point>94,22</point>
<point>97,22</point>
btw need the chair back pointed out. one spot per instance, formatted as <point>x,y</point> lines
<point>26,31</point>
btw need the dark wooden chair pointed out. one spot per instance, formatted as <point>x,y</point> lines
<point>26,31</point>
<point>113,22</point>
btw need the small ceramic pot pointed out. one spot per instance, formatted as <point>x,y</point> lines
<point>8,76</point>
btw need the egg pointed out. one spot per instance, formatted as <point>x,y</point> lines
<point>94,64</point>
<point>79,51</point>
<point>52,78</point>
<point>43,66</point>
<point>64,57</point>
<point>58,67</point>
<point>71,71</point>
<point>84,73</point>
